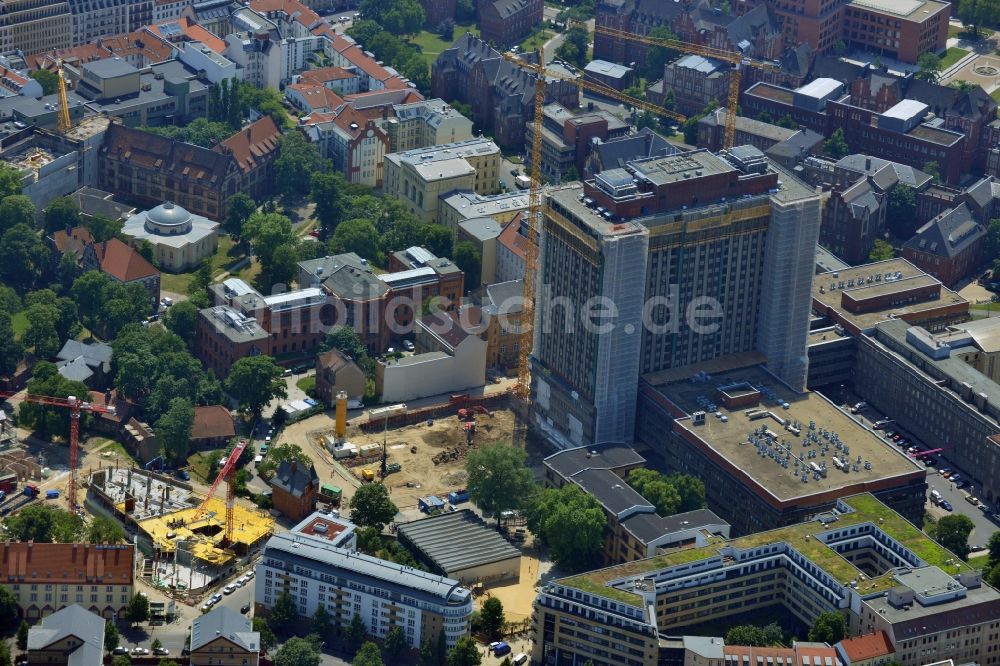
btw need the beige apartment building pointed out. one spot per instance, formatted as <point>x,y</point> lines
<point>430,122</point>
<point>34,26</point>
<point>419,177</point>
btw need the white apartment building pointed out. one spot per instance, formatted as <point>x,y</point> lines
<point>309,564</point>
<point>169,10</point>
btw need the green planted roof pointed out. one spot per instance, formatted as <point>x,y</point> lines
<point>802,538</point>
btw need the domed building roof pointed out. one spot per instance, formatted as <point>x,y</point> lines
<point>169,219</point>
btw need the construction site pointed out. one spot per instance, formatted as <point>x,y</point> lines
<point>183,535</point>
<point>425,450</point>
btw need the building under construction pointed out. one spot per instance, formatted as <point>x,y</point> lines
<point>171,523</point>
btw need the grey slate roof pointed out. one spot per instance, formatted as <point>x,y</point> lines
<point>948,234</point>
<point>456,541</point>
<point>649,526</point>
<point>76,370</point>
<point>612,491</point>
<point>294,477</point>
<point>607,456</point>
<point>644,143</point>
<point>866,164</point>
<point>74,621</point>
<point>222,622</point>
<point>94,354</point>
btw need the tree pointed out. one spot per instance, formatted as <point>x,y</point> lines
<point>465,653</point>
<point>284,264</point>
<point>836,146</point>
<point>103,228</point>
<point>266,232</point>
<point>881,250</point>
<point>11,181</point>
<point>901,211</point>
<point>977,13</point>
<point>963,86</point>
<point>932,169</point>
<point>691,489</point>
<point>355,634</point>
<point>241,207</point>
<point>11,351</point>
<point>993,545</point>
<point>23,256</point>
<point>439,239</point>
<point>322,623</point>
<point>369,655</point>
<point>395,644</point>
<point>372,507</point>
<point>9,613</point>
<point>359,236</point>
<point>498,480</point>
<point>105,530</point>
<point>787,122</point>
<point>953,533</point>
<point>254,381</point>
<point>326,190</point>
<point>22,636</point>
<point>173,430</point>
<point>427,656</point>
<point>468,258</point>
<point>17,209</point>
<point>46,420</point>
<point>492,617</point>
<point>110,636</point>
<point>48,80</point>
<point>284,614</point>
<point>121,660</point>
<point>297,652</point>
<point>754,636</point>
<point>298,158</point>
<point>181,320</point>
<point>267,638</point>
<point>656,489</point>
<point>41,331</point>
<point>930,67</point>
<point>61,214</point>
<point>829,627</point>
<point>574,47</point>
<point>658,56</point>
<point>571,522</point>
<point>992,576</point>
<point>138,608</point>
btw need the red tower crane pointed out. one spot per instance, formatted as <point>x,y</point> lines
<point>75,406</point>
<point>226,473</point>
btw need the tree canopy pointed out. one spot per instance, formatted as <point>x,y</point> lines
<point>829,627</point>
<point>752,635</point>
<point>297,159</point>
<point>571,522</point>
<point>499,479</point>
<point>254,381</point>
<point>371,506</point>
<point>44,523</point>
<point>953,533</point>
<point>297,652</point>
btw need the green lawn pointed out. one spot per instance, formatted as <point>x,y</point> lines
<point>109,448</point>
<point>536,40</point>
<point>201,464</point>
<point>995,95</point>
<point>307,384</point>
<point>979,561</point>
<point>431,45</point>
<point>951,56</point>
<point>226,255</point>
<point>20,324</point>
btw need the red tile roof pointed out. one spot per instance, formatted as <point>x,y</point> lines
<point>148,45</point>
<point>191,31</point>
<point>325,75</point>
<point>253,143</point>
<point>294,9</point>
<point>66,563</point>
<point>512,240</point>
<point>122,262</point>
<point>75,241</point>
<point>211,422</point>
<point>317,96</point>
<point>868,646</point>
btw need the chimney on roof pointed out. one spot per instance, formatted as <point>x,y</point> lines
<point>295,464</point>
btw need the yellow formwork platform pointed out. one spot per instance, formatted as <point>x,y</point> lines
<point>207,529</point>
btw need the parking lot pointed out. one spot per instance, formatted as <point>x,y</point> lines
<point>955,495</point>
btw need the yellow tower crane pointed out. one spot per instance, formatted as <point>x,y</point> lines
<point>526,341</point>
<point>63,120</point>
<point>737,60</point>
